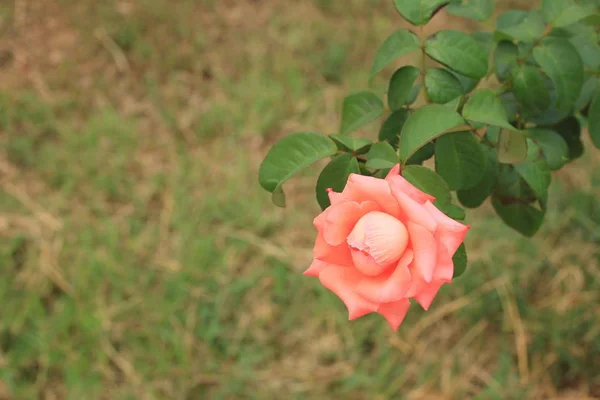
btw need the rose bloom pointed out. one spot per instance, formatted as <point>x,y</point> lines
<point>381,243</point>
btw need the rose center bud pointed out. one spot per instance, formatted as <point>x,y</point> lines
<point>377,242</point>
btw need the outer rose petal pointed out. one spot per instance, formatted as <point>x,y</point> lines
<point>339,255</point>
<point>411,210</point>
<point>319,221</point>
<point>342,217</point>
<point>394,312</point>
<point>341,281</point>
<point>361,188</point>
<point>445,266</point>
<point>425,249</point>
<point>450,232</point>
<point>317,266</point>
<point>388,287</point>
<point>425,297</point>
<point>334,197</point>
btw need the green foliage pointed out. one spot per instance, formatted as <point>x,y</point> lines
<point>496,138</point>
<point>360,109</point>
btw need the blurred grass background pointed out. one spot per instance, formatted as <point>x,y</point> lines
<point>139,258</point>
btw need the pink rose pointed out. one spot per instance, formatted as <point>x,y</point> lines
<point>381,243</point>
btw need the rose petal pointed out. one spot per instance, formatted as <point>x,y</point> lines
<point>450,232</point>
<point>319,220</point>
<point>341,281</point>
<point>395,171</point>
<point>413,211</point>
<point>444,270</point>
<point>334,197</point>
<point>388,287</point>
<point>317,266</point>
<point>425,248</point>
<point>427,294</point>
<point>342,218</point>
<point>398,182</point>
<point>361,188</point>
<point>394,312</point>
<point>339,255</point>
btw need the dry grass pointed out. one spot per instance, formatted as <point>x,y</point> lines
<point>140,259</point>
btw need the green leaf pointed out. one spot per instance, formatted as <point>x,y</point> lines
<point>347,143</point>
<point>290,155</point>
<point>587,93</point>
<point>562,63</point>
<point>518,25</point>
<point>401,86</point>
<point>424,125</point>
<point>358,110</point>
<point>334,176</point>
<point>479,10</point>
<point>588,49</point>
<point>475,196</point>
<point>455,212</point>
<point>486,41</point>
<point>570,130</point>
<point>382,155</point>
<point>423,154</point>
<point>511,188</point>
<point>594,120</point>
<point>459,52</point>
<point>554,147</point>
<point>536,173</point>
<point>529,87</point>
<point>459,160</point>
<point>391,128</point>
<point>418,12</point>
<point>459,259</point>
<point>512,147</point>
<point>398,44</point>
<point>429,182</point>
<point>467,83</point>
<point>442,86</point>
<point>505,59</point>
<point>523,218</point>
<point>510,104</point>
<point>485,107</point>
<point>561,13</point>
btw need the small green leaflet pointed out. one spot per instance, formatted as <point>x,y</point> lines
<point>562,63</point>
<point>392,126</point>
<point>398,44</point>
<point>529,87</point>
<point>400,91</point>
<point>459,52</point>
<point>554,147</point>
<point>358,110</point>
<point>505,58</point>
<point>424,125</point>
<point>536,173</point>
<point>347,143</point>
<point>442,86</point>
<point>560,13</point>
<point>594,120</point>
<point>479,10</point>
<point>418,12</point>
<point>382,155</point>
<point>334,176</point>
<point>429,182</point>
<point>518,25</point>
<point>459,259</point>
<point>485,107</point>
<point>290,155</point>
<point>475,196</point>
<point>459,159</point>
<point>523,218</point>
